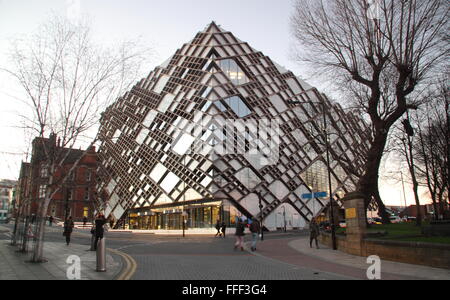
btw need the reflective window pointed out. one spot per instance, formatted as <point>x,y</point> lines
<point>220,106</point>
<point>233,71</point>
<point>238,106</point>
<point>158,172</point>
<point>169,182</point>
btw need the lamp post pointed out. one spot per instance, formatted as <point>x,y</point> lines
<point>183,213</point>
<point>261,216</point>
<point>333,229</point>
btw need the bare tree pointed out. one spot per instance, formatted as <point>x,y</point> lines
<point>378,50</point>
<point>68,81</point>
<point>433,147</point>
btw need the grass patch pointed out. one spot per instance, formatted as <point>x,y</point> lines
<point>407,232</point>
<point>424,239</point>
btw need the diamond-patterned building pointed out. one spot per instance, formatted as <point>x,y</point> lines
<point>216,125</point>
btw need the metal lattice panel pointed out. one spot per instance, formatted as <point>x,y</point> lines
<point>187,132</point>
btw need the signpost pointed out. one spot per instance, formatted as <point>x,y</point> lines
<point>315,195</point>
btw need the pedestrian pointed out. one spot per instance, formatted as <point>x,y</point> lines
<point>223,228</point>
<point>84,221</point>
<point>240,228</point>
<point>99,230</point>
<point>218,229</point>
<point>68,228</point>
<point>313,232</point>
<point>255,228</point>
<point>111,222</point>
<point>50,220</point>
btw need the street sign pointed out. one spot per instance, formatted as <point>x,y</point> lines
<point>320,195</point>
<point>315,195</point>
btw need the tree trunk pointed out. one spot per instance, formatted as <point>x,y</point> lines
<point>368,182</point>
<point>42,213</point>
<point>414,179</point>
<point>381,207</point>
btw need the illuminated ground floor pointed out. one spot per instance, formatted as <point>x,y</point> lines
<point>203,214</point>
<point>196,214</point>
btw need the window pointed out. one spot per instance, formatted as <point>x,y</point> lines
<point>88,175</point>
<point>44,171</point>
<point>87,195</point>
<point>233,71</point>
<point>238,106</point>
<point>69,195</point>
<point>42,190</point>
<point>72,175</point>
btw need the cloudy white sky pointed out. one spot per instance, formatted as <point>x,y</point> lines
<point>163,26</point>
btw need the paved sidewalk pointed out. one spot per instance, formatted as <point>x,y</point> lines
<point>297,252</point>
<point>16,266</point>
<point>389,267</point>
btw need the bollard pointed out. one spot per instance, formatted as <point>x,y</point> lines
<point>101,256</point>
<point>92,242</point>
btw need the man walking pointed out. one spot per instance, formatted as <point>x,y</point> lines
<point>223,228</point>
<point>218,229</point>
<point>313,232</point>
<point>68,228</point>
<point>255,228</point>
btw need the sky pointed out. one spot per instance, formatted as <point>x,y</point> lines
<point>163,26</point>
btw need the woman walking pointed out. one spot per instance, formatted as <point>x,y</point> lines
<point>313,233</point>
<point>99,229</point>
<point>240,227</point>
<point>68,228</point>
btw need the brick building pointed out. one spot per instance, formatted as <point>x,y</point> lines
<point>7,194</point>
<point>75,196</point>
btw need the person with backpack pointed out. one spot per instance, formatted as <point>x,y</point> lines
<point>240,228</point>
<point>255,228</point>
<point>100,221</point>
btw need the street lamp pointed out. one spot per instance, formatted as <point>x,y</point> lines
<point>333,229</point>
<point>261,216</point>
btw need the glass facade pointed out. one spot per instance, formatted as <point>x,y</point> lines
<point>200,215</point>
<point>233,71</point>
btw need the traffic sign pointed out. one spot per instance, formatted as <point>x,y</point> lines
<point>315,195</point>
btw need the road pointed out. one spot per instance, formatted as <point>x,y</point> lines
<point>155,257</point>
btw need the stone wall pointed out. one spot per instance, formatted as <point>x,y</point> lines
<point>433,255</point>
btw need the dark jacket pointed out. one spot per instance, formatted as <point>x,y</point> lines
<point>254,227</point>
<point>68,226</point>
<point>99,222</point>
<point>240,229</point>
<point>313,230</point>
